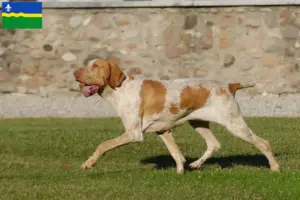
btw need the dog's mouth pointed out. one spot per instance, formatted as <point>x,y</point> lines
<point>89,90</point>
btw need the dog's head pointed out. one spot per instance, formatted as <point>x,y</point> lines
<point>97,75</point>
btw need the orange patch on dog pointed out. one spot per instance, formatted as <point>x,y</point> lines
<point>221,92</point>
<point>234,87</point>
<point>153,97</point>
<point>192,98</point>
<point>173,109</point>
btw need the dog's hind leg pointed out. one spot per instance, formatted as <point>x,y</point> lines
<point>232,118</point>
<point>238,127</point>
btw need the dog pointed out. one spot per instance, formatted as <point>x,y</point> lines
<point>146,105</point>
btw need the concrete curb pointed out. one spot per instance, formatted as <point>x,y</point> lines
<point>62,106</point>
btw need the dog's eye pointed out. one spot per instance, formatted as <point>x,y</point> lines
<point>96,66</point>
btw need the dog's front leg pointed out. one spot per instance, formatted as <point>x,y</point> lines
<point>126,138</point>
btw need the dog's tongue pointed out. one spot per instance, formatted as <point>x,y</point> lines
<point>90,90</point>
<point>86,91</point>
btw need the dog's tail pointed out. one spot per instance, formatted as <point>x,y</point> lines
<point>233,87</point>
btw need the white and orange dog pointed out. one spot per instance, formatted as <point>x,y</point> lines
<point>157,106</point>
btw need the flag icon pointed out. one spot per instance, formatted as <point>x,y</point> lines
<point>22,15</point>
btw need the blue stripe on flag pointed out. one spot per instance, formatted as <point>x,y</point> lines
<point>25,7</point>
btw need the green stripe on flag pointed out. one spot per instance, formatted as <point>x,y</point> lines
<point>22,22</point>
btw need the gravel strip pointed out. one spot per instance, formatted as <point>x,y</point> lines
<point>20,105</point>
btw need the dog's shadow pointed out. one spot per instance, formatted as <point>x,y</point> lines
<point>166,161</point>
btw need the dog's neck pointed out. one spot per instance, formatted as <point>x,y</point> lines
<point>108,93</point>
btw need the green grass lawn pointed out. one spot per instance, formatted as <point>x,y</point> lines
<point>41,158</point>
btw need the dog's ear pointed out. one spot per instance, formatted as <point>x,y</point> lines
<point>116,75</point>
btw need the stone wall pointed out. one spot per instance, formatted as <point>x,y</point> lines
<point>249,44</point>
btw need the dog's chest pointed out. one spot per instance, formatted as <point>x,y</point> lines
<point>160,122</point>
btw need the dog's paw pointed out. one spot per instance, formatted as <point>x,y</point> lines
<point>180,170</point>
<point>88,164</point>
<point>275,168</point>
<point>195,165</point>
<point>85,166</point>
